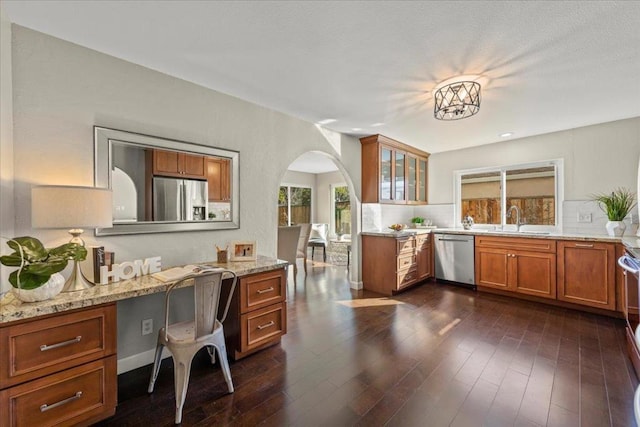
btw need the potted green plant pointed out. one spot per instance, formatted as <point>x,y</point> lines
<point>38,275</point>
<point>417,221</point>
<point>617,206</point>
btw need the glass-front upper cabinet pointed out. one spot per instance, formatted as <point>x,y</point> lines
<point>399,177</point>
<point>412,175</point>
<point>385,173</point>
<point>422,180</point>
<point>393,172</point>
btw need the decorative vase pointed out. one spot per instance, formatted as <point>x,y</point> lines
<point>615,228</point>
<point>47,291</point>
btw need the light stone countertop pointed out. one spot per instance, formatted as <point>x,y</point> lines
<point>632,244</point>
<point>484,232</point>
<point>12,309</point>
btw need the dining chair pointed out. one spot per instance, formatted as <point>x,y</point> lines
<point>303,242</point>
<point>319,239</point>
<point>185,339</point>
<point>288,238</point>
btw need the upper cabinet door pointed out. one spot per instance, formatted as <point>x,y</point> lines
<point>177,164</point>
<point>393,172</point>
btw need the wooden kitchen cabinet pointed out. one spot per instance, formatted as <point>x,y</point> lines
<point>218,173</point>
<point>393,172</point>
<point>587,273</point>
<point>521,265</point>
<point>258,313</point>
<point>424,256</point>
<point>59,369</point>
<point>392,263</point>
<point>178,164</point>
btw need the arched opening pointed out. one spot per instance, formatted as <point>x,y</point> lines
<point>317,189</point>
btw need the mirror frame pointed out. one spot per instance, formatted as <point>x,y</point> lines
<point>103,138</point>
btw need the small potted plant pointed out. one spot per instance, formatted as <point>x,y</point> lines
<point>38,275</point>
<point>617,206</point>
<point>417,221</point>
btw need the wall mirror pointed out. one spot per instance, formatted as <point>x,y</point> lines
<point>162,185</point>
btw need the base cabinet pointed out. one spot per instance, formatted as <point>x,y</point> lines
<point>525,266</point>
<point>258,313</point>
<point>391,264</point>
<point>60,369</point>
<point>587,274</point>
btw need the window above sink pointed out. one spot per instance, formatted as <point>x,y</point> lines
<point>535,189</point>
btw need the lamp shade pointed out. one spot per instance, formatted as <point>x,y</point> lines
<point>457,101</point>
<point>57,206</point>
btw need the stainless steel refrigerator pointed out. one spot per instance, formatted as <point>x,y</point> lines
<point>176,199</point>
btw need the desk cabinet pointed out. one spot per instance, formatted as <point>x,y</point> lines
<point>258,313</point>
<point>526,266</point>
<point>59,369</point>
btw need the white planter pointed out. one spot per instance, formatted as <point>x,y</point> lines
<point>615,228</point>
<point>44,292</point>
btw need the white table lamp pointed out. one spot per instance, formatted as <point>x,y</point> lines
<point>58,206</point>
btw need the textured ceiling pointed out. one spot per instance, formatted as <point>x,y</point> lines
<point>544,66</point>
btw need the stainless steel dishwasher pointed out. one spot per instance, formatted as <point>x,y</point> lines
<point>454,256</point>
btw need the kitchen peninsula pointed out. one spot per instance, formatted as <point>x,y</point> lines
<point>61,354</point>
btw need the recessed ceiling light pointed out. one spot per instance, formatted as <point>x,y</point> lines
<point>375,125</point>
<point>326,121</point>
<point>356,129</point>
<point>506,134</point>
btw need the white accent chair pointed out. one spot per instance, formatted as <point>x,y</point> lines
<point>319,239</point>
<point>185,339</point>
<point>288,238</point>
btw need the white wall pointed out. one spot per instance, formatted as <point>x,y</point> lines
<point>597,159</point>
<point>62,90</point>
<point>324,182</point>
<point>6,146</point>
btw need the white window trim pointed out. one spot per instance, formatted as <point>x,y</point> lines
<point>559,189</point>
<point>332,206</point>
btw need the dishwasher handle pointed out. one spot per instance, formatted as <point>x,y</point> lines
<point>444,239</point>
<point>628,263</point>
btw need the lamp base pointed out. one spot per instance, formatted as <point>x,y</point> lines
<point>76,282</point>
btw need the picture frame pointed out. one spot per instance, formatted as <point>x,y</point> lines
<point>243,250</point>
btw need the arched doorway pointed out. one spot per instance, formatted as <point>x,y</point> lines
<point>317,188</point>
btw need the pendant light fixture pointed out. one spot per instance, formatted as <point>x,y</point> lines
<point>456,101</point>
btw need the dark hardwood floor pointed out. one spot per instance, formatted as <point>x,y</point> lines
<point>436,355</point>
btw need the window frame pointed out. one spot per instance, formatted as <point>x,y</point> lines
<point>289,186</point>
<point>558,165</point>
<point>332,190</point>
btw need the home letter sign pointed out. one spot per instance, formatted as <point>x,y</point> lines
<point>129,269</point>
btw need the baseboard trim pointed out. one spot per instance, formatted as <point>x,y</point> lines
<point>139,360</point>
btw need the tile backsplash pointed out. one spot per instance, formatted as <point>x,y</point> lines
<point>380,216</point>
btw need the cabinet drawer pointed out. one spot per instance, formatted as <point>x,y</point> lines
<point>517,243</point>
<point>262,326</point>
<point>406,261</point>
<point>67,398</point>
<point>407,277</point>
<point>423,240</point>
<point>40,347</point>
<point>261,290</point>
<point>405,245</point>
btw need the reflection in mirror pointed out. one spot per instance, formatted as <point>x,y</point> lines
<point>481,197</point>
<point>162,185</point>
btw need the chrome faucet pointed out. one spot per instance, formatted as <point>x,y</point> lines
<point>518,213</point>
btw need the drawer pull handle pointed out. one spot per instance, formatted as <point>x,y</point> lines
<point>264,291</point>
<point>45,407</point>
<point>583,245</point>
<point>266,325</point>
<point>45,347</point>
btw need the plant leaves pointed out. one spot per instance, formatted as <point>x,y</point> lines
<point>27,280</point>
<point>32,248</point>
<point>68,251</point>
